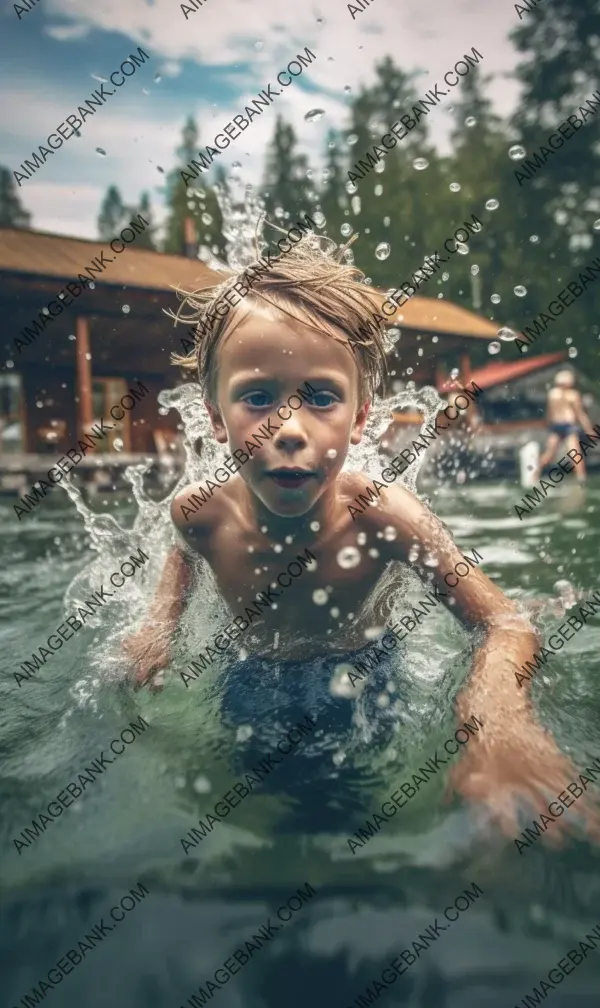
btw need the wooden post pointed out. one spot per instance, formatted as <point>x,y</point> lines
<point>190,238</point>
<point>85,410</point>
<point>440,374</point>
<point>465,368</point>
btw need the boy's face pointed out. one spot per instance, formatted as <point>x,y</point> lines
<point>262,363</point>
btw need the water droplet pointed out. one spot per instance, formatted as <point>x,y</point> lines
<point>157,78</point>
<point>320,596</point>
<point>374,553</point>
<point>534,238</point>
<point>386,221</point>
<point>494,347</point>
<point>92,285</point>
<point>315,526</point>
<point>371,633</point>
<point>340,684</point>
<point>244,732</point>
<point>506,334</point>
<point>491,204</point>
<point>495,299</point>
<point>206,218</point>
<point>348,557</point>
<point>259,44</point>
<point>454,373</point>
<point>355,204</point>
<point>383,250</point>
<point>125,309</point>
<point>9,364</point>
<point>351,187</point>
<point>572,351</point>
<point>454,187</point>
<point>347,89</point>
<point>470,121</point>
<point>461,248</point>
<point>101,80</point>
<point>420,163</point>
<point>331,453</point>
<point>346,229</point>
<point>520,291</point>
<point>71,336</point>
<point>278,548</point>
<point>474,269</point>
<point>389,533</point>
<point>445,275</point>
<point>101,151</point>
<point>314,115</point>
<point>319,218</point>
<point>413,553</point>
<point>351,139</point>
<point>596,225</point>
<point>202,785</point>
<point>516,152</point>
<point>361,538</point>
<point>431,559</point>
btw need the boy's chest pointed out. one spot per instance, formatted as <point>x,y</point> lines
<point>308,588</point>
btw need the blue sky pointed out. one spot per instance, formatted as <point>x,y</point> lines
<point>208,65</point>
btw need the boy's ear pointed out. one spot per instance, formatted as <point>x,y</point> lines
<point>219,429</point>
<point>360,421</point>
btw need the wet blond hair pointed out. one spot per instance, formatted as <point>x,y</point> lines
<point>327,293</point>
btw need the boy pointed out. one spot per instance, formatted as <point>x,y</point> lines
<point>294,330</point>
<point>567,421</point>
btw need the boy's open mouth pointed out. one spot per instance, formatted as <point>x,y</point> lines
<point>290,478</point>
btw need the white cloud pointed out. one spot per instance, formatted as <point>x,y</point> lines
<point>67,33</point>
<point>61,208</point>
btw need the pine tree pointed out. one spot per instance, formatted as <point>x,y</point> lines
<point>561,200</point>
<point>12,214</point>
<point>114,214</point>
<point>147,237</point>
<point>395,204</point>
<point>201,205</point>
<point>285,187</point>
<point>480,165</point>
<point>334,199</point>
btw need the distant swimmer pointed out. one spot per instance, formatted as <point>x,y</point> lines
<point>566,419</point>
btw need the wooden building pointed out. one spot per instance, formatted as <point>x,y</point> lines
<point>85,359</point>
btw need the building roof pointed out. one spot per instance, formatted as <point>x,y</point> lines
<point>36,255</point>
<point>499,372</point>
<point>54,256</point>
<point>438,315</point>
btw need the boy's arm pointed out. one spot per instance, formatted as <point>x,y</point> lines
<point>149,649</point>
<point>583,419</point>
<point>514,757</point>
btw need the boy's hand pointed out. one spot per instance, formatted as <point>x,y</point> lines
<point>149,652</point>
<point>514,766</point>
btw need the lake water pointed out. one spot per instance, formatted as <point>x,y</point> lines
<point>202,906</point>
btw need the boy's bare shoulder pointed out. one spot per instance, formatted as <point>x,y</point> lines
<point>195,510</point>
<point>394,505</point>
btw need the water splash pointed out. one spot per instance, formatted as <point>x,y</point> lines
<point>152,529</point>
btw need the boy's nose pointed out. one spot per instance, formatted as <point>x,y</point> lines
<point>291,436</point>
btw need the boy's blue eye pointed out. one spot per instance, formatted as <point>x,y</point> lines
<point>324,399</point>
<point>258,399</point>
